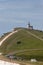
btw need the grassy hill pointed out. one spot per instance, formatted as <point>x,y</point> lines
<point>5,34</point>
<point>24,45</point>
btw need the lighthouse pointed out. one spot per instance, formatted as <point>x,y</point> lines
<point>29,26</point>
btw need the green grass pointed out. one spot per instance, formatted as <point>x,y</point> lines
<point>31,54</point>
<point>4,34</point>
<point>27,42</point>
<point>37,32</point>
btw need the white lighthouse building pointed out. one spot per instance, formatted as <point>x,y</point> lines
<point>29,26</point>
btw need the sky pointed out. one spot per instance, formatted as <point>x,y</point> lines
<point>17,13</point>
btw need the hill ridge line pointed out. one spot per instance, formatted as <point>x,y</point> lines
<point>8,36</point>
<point>17,31</point>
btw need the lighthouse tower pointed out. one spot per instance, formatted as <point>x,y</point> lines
<point>29,26</point>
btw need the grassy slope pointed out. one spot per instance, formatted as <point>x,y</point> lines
<point>38,33</point>
<point>27,42</point>
<point>5,34</point>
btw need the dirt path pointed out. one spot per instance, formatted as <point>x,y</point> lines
<point>7,36</point>
<point>34,35</point>
<point>3,58</point>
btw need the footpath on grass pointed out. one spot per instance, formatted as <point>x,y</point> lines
<point>6,37</point>
<point>34,35</point>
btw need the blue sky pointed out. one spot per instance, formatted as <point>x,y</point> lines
<point>17,13</point>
